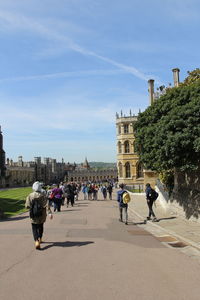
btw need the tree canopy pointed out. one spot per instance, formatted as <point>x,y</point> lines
<point>168,132</point>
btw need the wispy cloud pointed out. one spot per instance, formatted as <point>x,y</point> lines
<point>65,74</point>
<point>18,22</point>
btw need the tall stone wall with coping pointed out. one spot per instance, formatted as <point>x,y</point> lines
<point>185,200</point>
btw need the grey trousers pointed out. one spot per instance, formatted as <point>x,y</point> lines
<point>123,211</point>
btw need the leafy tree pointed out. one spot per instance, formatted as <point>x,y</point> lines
<point>193,76</point>
<point>168,132</point>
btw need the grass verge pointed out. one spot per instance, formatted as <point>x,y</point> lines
<point>12,201</point>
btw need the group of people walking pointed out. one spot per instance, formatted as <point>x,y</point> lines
<point>151,196</point>
<point>58,194</point>
<point>41,201</point>
<point>90,191</point>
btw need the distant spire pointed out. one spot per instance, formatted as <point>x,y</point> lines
<point>86,164</point>
<point>130,112</point>
<point>121,113</point>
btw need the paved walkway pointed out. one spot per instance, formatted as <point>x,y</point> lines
<point>172,229</point>
<point>88,254</point>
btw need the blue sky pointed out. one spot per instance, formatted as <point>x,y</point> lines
<point>67,66</point>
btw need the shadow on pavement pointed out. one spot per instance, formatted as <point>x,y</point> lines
<point>65,244</point>
<point>67,210</point>
<point>163,219</point>
<point>13,218</point>
<point>137,223</point>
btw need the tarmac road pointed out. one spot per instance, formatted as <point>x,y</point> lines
<point>88,254</point>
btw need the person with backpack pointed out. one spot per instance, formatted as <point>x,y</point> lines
<point>122,205</point>
<point>151,196</point>
<point>38,206</point>
<point>69,194</point>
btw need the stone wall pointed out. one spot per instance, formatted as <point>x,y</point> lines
<point>187,192</point>
<point>185,200</point>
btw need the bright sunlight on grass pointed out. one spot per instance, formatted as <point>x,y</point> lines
<point>12,201</point>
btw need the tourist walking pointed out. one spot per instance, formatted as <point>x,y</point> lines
<point>104,192</point>
<point>150,202</point>
<point>123,207</point>
<point>89,192</point>
<point>94,192</point>
<point>69,194</point>
<point>57,194</point>
<point>38,206</point>
<point>85,190</point>
<point>110,189</point>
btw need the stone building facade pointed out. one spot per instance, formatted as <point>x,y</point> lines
<point>84,173</point>
<point>23,173</point>
<point>130,170</point>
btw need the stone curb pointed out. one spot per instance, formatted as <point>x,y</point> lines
<point>167,231</point>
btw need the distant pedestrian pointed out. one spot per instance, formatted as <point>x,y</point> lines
<point>94,192</point>
<point>49,196</point>
<point>123,207</point>
<point>150,202</point>
<point>69,194</point>
<point>104,192</point>
<point>85,190</point>
<point>89,192</point>
<point>57,197</point>
<point>38,206</point>
<point>110,189</point>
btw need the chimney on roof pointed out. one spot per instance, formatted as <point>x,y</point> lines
<point>176,76</point>
<point>151,90</point>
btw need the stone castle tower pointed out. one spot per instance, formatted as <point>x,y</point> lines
<point>130,170</point>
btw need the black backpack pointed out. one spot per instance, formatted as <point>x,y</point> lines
<point>68,191</point>
<point>36,209</point>
<point>153,195</point>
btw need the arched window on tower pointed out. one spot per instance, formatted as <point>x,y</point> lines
<point>120,169</point>
<point>126,128</point>
<point>127,170</point>
<point>126,147</point>
<point>119,129</point>
<point>119,147</point>
<point>139,170</point>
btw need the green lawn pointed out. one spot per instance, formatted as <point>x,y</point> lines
<point>12,201</point>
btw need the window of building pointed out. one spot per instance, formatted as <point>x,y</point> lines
<point>119,147</point>
<point>120,169</point>
<point>119,129</point>
<point>126,147</point>
<point>126,128</point>
<point>127,170</point>
<point>140,172</point>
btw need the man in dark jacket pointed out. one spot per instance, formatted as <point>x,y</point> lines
<point>150,202</point>
<point>69,194</point>
<point>122,205</point>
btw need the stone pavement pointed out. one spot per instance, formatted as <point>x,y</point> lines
<point>171,229</point>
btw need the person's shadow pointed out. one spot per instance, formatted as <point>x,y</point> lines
<point>65,244</point>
